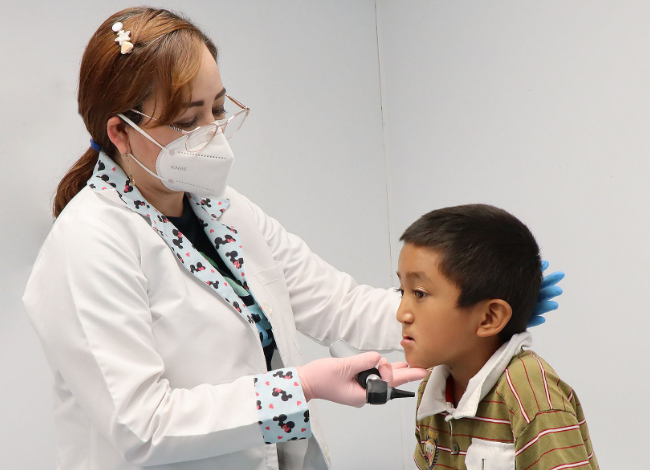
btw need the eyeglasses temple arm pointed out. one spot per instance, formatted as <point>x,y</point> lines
<point>238,103</point>
<point>137,128</point>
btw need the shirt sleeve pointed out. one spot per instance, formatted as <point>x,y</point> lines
<point>554,439</point>
<point>281,406</point>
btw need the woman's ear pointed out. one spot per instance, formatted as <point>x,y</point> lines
<point>116,130</point>
<point>496,315</point>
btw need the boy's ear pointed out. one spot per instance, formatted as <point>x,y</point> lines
<point>495,317</point>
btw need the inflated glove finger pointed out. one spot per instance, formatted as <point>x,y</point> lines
<point>386,371</point>
<point>536,321</point>
<point>549,292</point>
<point>552,279</point>
<point>399,373</point>
<point>542,308</point>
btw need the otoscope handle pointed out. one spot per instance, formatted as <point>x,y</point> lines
<point>362,377</point>
<point>377,390</point>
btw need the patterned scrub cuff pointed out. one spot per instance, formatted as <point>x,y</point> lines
<point>281,406</point>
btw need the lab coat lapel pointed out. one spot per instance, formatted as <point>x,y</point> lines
<point>108,176</point>
<point>224,237</point>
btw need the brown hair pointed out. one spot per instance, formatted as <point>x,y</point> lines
<point>165,57</point>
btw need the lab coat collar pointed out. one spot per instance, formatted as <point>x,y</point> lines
<point>108,176</point>
<point>224,237</point>
<point>433,398</point>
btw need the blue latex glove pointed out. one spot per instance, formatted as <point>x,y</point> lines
<point>548,291</point>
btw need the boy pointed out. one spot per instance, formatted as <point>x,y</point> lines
<point>470,276</point>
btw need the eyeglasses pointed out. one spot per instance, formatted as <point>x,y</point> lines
<point>197,139</point>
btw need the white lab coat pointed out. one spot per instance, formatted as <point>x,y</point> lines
<point>152,368</point>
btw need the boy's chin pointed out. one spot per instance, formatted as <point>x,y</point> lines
<point>413,361</point>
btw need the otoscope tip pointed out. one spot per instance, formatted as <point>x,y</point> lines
<point>396,393</point>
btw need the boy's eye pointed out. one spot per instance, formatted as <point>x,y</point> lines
<point>419,294</point>
<point>397,289</point>
<point>219,113</point>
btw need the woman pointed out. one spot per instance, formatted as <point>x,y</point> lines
<point>166,302</point>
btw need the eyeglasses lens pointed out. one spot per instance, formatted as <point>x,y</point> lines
<point>197,140</point>
<point>234,124</point>
<point>201,137</point>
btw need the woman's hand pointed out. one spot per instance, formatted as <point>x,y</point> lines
<point>335,379</point>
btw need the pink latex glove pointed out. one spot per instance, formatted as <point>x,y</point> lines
<point>335,379</point>
<point>399,373</point>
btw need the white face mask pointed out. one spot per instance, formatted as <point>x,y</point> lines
<point>204,172</point>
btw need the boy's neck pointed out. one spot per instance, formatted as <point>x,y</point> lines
<point>468,367</point>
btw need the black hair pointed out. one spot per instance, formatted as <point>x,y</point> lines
<point>487,253</point>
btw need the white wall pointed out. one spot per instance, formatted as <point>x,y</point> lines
<point>541,108</point>
<point>538,107</point>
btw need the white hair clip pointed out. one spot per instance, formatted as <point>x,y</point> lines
<point>123,38</point>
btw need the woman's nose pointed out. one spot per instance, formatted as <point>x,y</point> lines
<point>206,118</point>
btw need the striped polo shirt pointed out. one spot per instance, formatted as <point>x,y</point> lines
<point>515,414</point>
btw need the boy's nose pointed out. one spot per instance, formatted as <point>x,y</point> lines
<point>403,316</point>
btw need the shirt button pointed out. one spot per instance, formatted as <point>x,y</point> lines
<point>266,308</point>
<point>455,449</point>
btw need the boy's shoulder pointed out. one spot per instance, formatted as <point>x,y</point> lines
<point>530,387</point>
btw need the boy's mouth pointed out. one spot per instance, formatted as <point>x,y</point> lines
<point>407,340</point>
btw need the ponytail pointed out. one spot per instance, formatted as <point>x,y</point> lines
<point>75,180</point>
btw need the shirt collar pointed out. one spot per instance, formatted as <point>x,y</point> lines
<point>434,396</point>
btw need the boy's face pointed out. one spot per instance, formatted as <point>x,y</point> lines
<point>434,330</point>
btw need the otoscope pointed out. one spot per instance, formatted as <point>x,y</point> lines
<point>377,390</point>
